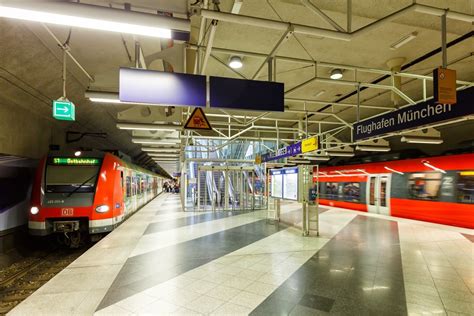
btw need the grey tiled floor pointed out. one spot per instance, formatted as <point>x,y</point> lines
<point>166,262</point>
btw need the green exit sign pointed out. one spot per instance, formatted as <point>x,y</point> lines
<point>64,110</point>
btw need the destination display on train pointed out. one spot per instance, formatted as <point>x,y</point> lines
<point>75,161</point>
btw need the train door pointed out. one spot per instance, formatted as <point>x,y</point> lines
<point>378,193</point>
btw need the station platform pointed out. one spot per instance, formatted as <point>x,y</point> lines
<point>164,261</point>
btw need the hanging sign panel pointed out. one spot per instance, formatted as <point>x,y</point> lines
<point>304,146</point>
<point>421,114</point>
<point>246,94</point>
<point>158,87</point>
<point>309,144</point>
<point>444,85</point>
<point>64,110</point>
<point>288,151</point>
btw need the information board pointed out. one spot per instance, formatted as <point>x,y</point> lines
<point>290,186</point>
<point>277,185</point>
<point>284,183</point>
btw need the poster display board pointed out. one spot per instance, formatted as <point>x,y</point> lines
<point>277,184</point>
<point>284,183</point>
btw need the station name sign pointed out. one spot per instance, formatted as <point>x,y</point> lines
<point>420,114</point>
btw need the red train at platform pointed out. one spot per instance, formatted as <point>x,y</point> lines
<point>86,194</point>
<point>436,189</point>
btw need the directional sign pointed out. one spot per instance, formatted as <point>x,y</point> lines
<point>198,120</point>
<point>304,146</point>
<point>309,144</point>
<point>64,110</point>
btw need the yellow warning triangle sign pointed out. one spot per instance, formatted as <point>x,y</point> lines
<point>198,120</point>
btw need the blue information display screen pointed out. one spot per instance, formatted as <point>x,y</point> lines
<point>246,94</point>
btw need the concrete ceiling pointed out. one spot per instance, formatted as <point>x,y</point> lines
<point>32,57</point>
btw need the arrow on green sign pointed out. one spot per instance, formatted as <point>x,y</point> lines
<point>64,110</point>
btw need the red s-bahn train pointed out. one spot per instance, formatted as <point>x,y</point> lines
<point>79,194</point>
<point>436,189</point>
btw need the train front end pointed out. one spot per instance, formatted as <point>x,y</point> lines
<point>73,196</point>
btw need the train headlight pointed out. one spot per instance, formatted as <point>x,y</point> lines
<point>102,209</point>
<point>34,210</point>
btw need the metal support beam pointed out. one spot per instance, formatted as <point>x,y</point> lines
<point>378,107</point>
<point>210,42</point>
<point>349,16</point>
<point>270,68</point>
<point>320,32</point>
<point>322,15</point>
<point>88,75</point>
<point>358,103</point>
<point>324,64</point>
<point>403,95</point>
<point>289,31</point>
<point>443,40</point>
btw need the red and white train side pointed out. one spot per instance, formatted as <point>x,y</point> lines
<point>436,189</point>
<point>88,194</point>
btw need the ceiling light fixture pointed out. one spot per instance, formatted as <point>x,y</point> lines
<point>162,155</point>
<point>235,62</point>
<point>427,164</point>
<point>319,93</point>
<point>236,6</point>
<point>156,149</point>
<point>164,141</point>
<point>94,17</point>
<point>297,161</point>
<point>393,170</point>
<point>372,148</point>
<point>78,153</point>
<point>319,158</point>
<point>421,140</point>
<point>404,40</point>
<point>104,100</point>
<point>340,154</point>
<point>147,127</point>
<point>336,74</point>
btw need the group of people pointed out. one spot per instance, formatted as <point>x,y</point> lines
<point>171,186</point>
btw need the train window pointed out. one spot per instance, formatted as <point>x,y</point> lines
<point>129,186</point>
<point>424,186</point>
<point>121,178</point>
<point>63,179</point>
<point>331,190</point>
<point>465,187</point>
<point>383,191</point>
<point>351,191</point>
<point>372,191</point>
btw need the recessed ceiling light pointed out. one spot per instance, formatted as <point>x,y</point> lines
<point>336,74</point>
<point>319,93</point>
<point>404,40</point>
<point>235,62</point>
